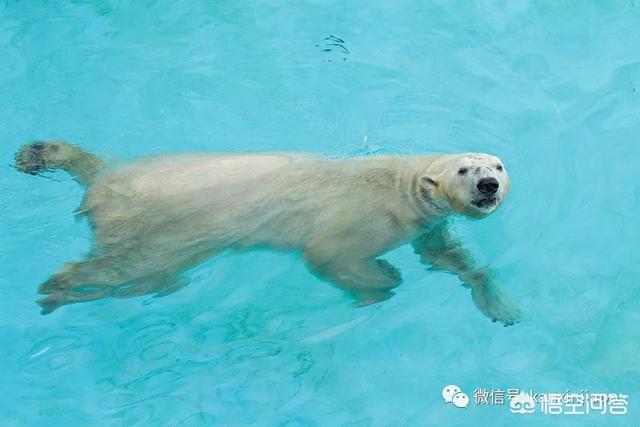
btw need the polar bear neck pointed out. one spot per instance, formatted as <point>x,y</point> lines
<point>433,204</point>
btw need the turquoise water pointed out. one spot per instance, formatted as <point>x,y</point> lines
<point>552,87</point>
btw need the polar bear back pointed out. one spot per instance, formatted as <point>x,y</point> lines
<point>180,173</point>
<point>278,200</point>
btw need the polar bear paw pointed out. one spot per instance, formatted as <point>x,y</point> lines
<point>495,304</point>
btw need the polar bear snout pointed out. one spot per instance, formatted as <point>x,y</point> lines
<point>488,185</point>
<point>487,194</point>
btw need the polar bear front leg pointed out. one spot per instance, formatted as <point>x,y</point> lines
<point>492,301</point>
<point>369,280</point>
<point>443,252</point>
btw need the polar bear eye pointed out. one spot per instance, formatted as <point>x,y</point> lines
<point>499,167</point>
<point>462,171</point>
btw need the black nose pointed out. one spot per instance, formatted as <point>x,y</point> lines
<point>488,185</point>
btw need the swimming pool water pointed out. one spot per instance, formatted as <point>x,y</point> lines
<point>552,87</point>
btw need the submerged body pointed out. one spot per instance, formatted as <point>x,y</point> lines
<point>157,217</point>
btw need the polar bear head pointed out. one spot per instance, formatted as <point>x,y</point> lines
<point>473,184</point>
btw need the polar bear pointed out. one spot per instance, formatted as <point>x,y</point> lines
<point>155,218</point>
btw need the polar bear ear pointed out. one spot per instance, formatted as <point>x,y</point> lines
<point>428,182</point>
<point>429,187</point>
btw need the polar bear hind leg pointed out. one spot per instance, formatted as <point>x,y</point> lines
<point>124,273</point>
<point>68,288</point>
<point>42,156</point>
<point>87,280</point>
<point>74,275</point>
<point>56,300</point>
